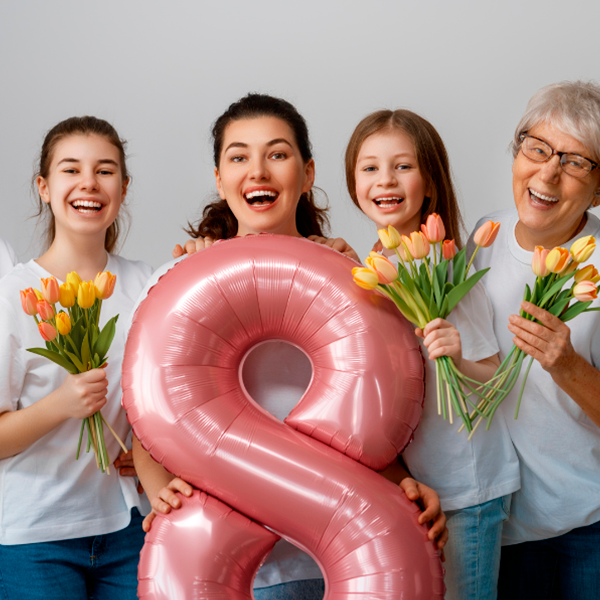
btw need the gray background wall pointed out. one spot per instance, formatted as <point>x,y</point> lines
<point>161,72</point>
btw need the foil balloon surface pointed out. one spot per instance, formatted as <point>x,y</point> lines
<point>311,479</point>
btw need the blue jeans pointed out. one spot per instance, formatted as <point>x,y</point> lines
<point>305,589</point>
<point>566,567</point>
<point>473,550</point>
<point>101,567</point>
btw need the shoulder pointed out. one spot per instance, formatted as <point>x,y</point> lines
<point>133,272</point>
<point>19,277</point>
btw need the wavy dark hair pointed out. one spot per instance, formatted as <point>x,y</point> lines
<point>218,222</point>
<point>432,159</point>
<point>80,126</point>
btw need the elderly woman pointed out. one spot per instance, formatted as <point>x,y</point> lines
<point>551,542</point>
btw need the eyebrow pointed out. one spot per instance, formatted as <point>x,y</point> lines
<point>395,156</point>
<point>269,144</point>
<point>102,161</point>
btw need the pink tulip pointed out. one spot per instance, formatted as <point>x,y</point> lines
<point>486,234</point>
<point>538,263</point>
<point>47,331</point>
<point>50,290</point>
<point>417,244</point>
<point>45,310</point>
<point>29,301</point>
<point>584,291</point>
<point>449,249</point>
<point>386,271</point>
<point>434,229</point>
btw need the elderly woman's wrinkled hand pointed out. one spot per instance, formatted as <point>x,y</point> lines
<point>548,341</point>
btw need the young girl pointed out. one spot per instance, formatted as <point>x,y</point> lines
<point>264,173</point>
<point>398,174</point>
<point>67,531</point>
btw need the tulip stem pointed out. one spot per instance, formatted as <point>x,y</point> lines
<point>471,261</point>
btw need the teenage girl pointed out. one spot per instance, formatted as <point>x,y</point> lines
<point>67,531</point>
<point>264,174</point>
<point>398,173</point>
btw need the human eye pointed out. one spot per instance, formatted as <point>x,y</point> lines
<point>403,167</point>
<point>279,155</point>
<point>237,158</point>
<point>369,169</point>
<point>105,172</point>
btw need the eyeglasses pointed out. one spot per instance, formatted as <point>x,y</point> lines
<point>539,151</point>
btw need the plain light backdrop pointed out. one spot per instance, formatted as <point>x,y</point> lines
<point>162,72</point>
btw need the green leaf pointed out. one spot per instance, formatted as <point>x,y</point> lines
<point>78,331</point>
<point>85,351</point>
<point>574,310</point>
<point>459,264</point>
<point>55,357</point>
<point>76,361</point>
<point>527,294</point>
<point>105,338</point>
<point>461,290</point>
<point>433,309</point>
<point>554,288</point>
<point>440,274</point>
<point>424,283</point>
<point>558,306</point>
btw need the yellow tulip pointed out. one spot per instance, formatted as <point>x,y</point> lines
<point>588,273</point>
<point>66,295</point>
<point>63,323</point>
<point>104,285</point>
<point>38,294</point>
<point>558,259</point>
<point>583,248</point>
<point>365,278</point>
<point>390,238</point>
<point>385,270</point>
<point>74,281</point>
<point>86,296</point>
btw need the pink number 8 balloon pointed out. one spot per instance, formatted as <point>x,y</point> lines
<point>311,479</point>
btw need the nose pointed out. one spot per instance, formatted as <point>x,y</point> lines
<point>387,177</point>
<point>551,170</point>
<point>259,170</point>
<point>88,180</point>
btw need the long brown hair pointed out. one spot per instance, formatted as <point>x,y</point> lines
<point>80,126</point>
<point>432,159</point>
<point>218,222</point>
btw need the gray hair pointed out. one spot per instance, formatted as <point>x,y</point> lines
<point>573,107</point>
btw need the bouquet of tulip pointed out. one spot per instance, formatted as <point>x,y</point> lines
<point>73,339</point>
<point>430,290</point>
<point>553,269</point>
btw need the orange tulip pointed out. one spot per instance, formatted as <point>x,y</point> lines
<point>47,331</point>
<point>104,285</point>
<point>434,229</point>
<point>584,291</point>
<point>386,271</point>
<point>417,244</point>
<point>50,290</point>
<point>66,295</point>
<point>45,310</point>
<point>389,237</point>
<point>63,323</point>
<point>583,248</point>
<point>588,273</point>
<point>558,259</point>
<point>365,278</point>
<point>449,249</point>
<point>486,234</point>
<point>538,263</point>
<point>29,301</point>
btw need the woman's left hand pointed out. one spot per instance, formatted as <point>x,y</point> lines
<point>339,244</point>
<point>548,341</point>
<point>124,464</point>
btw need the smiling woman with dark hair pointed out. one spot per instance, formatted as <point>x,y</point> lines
<point>552,539</point>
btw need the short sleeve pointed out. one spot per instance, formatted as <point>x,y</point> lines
<point>12,369</point>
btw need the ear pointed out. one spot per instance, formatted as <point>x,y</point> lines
<point>42,187</point>
<point>219,184</point>
<point>309,176</point>
<point>125,188</point>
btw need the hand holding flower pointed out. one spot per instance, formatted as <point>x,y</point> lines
<point>441,338</point>
<point>82,395</point>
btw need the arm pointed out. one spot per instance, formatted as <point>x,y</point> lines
<point>78,397</point>
<point>549,342</point>
<point>424,496</point>
<point>160,485</point>
<point>441,338</point>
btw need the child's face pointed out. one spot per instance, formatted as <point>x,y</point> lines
<point>84,186</point>
<point>262,175</point>
<point>389,184</point>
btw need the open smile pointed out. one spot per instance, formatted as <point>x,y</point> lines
<point>87,207</point>
<point>542,199</point>
<point>261,197</point>
<point>388,201</point>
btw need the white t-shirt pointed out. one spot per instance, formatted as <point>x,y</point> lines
<point>557,443</point>
<point>8,258</point>
<point>45,494</point>
<point>464,473</point>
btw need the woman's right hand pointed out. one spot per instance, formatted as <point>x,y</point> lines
<point>167,499</point>
<point>192,246</point>
<point>80,396</point>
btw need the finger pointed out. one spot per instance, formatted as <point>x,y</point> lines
<point>433,509</point>
<point>437,528</point>
<point>350,253</point>
<point>159,506</point>
<point>190,246</point>
<point>177,251</point>
<point>442,541</point>
<point>208,241</point>
<point>530,339</point>
<point>535,329</point>
<point>140,489</point>
<point>127,472</point>
<point>147,522</point>
<point>181,486</point>
<point>170,497</point>
<point>542,315</point>
<point>419,332</point>
<point>377,246</point>
<point>410,487</point>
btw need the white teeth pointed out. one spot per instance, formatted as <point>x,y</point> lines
<point>388,201</point>
<point>542,197</point>
<point>86,204</point>
<point>261,193</point>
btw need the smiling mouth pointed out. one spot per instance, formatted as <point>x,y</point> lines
<point>261,197</point>
<point>387,202</point>
<point>542,198</point>
<point>86,206</point>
